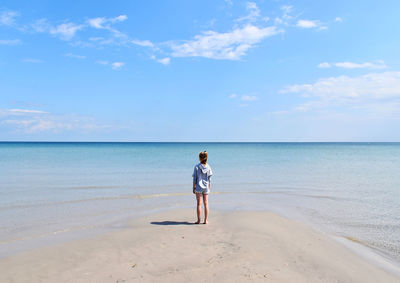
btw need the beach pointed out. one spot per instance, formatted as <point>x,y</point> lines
<point>280,212</point>
<point>236,246</point>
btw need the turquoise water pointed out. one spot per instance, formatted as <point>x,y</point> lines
<point>51,191</point>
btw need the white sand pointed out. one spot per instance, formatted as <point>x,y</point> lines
<point>234,247</point>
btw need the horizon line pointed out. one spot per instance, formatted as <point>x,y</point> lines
<point>199,141</point>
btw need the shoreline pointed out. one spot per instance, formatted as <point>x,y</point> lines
<point>243,245</point>
<point>369,254</point>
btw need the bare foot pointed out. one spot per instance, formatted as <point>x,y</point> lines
<point>205,222</point>
<point>197,222</point>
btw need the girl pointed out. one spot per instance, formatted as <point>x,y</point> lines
<point>201,184</point>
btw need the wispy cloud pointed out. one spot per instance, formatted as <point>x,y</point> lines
<point>230,45</point>
<point>324,65</point>
<point>253,13</point>
<point>32,121</point>
<point>286,17</point>
<point>114,65</point>
<point>307,24</point>
<point>249,97</point>
<point>289,19</point>
<point>246,32</point>
<point>373,89</point>
<point>66,31</point>
<point>103,23</point>
<point>164,61</point>
<point>102,62</point>
<point>7,18</point>
<point>368,65</point>
<point>21,111</point>
<point>338,19</point>
<point>70,55</point>
<point>351,65</point>
<point>10,41</point>
<point>246,98</point>
<point>41,25</point>
<point>106,23</point>
<point>117,65</point>
<point>144,43</point>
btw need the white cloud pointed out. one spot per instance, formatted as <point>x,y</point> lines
<point>307,24</point>
<point>233,45</point>
<point>70,55</point>
<point>374,90</point>
<point>118,38</point>
<point>100,23</point>
<point>46,125</point>
<point>287,17</point>
<point>145,43</point>
<point>249,97</point>
<point>338,19</point>
<point>66,31</point>
<point>233,95</point>
<point>114,65</point>
<point>36,125</point>
<point>7,18</point>
<point>120,18</point>
<point>324,65</point>
<point>24,123</point>
<point>117,65</point>
<point>230,45</point>
<point>367,65</point>
<point>253,12</point>
<point>23,111</point>
<point>102,62</point>
<point>31,60</point>
<point>31,121</point>
<point>164,61</point>
<point>97,22</point>
<point>278,21</point>
<point>10,41</point>
<point>351,65</point>
<point>41,25</point>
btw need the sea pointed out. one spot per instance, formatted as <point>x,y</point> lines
<point>52,192</point>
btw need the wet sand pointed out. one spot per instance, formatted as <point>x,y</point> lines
<point>167,247</point>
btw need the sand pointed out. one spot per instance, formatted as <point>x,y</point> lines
<point>165,247</point>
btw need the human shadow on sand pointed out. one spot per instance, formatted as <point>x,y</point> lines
<point>171,223</point>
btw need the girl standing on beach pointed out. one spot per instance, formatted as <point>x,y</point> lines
<point>201,184</point>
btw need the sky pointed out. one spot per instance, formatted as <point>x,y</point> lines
<point>210,70</point>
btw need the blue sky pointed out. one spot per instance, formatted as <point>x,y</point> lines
<point>200,70</point>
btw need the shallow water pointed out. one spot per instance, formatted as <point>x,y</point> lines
<point>51,191</point>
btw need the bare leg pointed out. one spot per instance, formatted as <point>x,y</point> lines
<point>205,200</point>
<point>198,198</point>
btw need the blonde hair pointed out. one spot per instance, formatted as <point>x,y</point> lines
<point>203,157</point>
